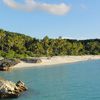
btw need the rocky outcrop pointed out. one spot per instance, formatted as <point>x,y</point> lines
<point>6,64</point>
<point>32,60</point>
<point>9,89</point>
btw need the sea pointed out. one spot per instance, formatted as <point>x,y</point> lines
<point>74,81</point>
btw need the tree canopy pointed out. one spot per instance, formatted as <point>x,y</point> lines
<point>16,45</point>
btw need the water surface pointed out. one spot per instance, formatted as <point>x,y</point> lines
<point>77,81</point>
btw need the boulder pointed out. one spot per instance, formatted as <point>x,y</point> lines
<point>6,64</point>
<point>9,89</point>
<point>32,60</point>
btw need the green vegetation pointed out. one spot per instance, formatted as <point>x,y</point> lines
<point>15,45</point>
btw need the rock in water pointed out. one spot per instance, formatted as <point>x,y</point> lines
<point>9,89</point>
<point>21,86</point>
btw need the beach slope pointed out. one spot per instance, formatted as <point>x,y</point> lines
<point>57,60</point>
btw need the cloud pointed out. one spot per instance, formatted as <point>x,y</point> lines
<point>27,6</point>
<point>30,5</point>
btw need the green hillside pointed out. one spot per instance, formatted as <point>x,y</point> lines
<point>16,45</point>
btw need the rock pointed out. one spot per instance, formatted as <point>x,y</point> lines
<point>9,89</point>
<point>32,60</point>
<point>6,64</point>
<point>21,86</point>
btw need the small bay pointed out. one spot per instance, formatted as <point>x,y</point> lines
<point>76,81</point>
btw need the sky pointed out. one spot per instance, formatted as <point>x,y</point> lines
<point>74,19</point>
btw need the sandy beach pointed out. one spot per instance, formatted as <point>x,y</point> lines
<point>57,60</point>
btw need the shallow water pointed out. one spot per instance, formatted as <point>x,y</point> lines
<point>77,81</point>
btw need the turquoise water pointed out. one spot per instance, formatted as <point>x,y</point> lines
<point>77,81</point>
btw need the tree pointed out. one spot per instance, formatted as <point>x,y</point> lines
<point>45,43</point>
<point>2,35</point>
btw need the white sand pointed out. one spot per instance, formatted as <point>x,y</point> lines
<point>57,60</point>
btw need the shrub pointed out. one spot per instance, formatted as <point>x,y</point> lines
<point>10,54</point>
<point>20,56</point>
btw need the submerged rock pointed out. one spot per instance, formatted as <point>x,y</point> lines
<point>9,89</point>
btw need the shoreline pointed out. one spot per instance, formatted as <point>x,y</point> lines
<point>57,60</point>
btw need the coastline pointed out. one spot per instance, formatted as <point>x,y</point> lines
<point>57,60</point>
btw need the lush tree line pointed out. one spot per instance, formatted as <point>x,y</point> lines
<point>20,46</point>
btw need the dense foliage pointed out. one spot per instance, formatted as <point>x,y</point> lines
<point>21,46</point>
